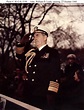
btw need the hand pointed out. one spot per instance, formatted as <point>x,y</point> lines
<point>76,78</point>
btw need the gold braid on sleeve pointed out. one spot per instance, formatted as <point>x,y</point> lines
<point>29,58</point>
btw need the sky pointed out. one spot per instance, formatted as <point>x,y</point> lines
<point>71,16</point>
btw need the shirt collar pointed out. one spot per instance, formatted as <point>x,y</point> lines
<point>42,47</point>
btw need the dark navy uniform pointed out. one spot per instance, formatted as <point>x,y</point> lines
<point>43,69</point>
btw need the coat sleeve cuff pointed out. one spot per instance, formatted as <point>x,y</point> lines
<point>53,86</point>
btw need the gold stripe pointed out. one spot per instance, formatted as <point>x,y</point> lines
<point>53,89</point>
<point>53,86</point>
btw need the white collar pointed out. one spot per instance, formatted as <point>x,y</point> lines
<point>42,47</point>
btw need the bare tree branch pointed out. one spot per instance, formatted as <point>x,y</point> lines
<point>45,12</point>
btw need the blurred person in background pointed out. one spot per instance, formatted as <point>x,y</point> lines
<point>71,81</point>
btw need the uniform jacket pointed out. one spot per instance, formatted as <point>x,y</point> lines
<point>43,69</point>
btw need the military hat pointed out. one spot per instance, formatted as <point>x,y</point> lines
<point>71,56</point>
<point>42,29</point>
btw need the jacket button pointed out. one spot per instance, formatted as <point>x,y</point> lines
<point>32,79</point>
<point>33,72</point>
<point>35,65</point>
<point>29,66</point>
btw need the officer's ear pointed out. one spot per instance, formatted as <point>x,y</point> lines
<point>45,37</point>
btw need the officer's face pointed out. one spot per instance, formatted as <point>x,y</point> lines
<point>40,39</point>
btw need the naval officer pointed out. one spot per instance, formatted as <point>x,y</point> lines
<point>42,68</point>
